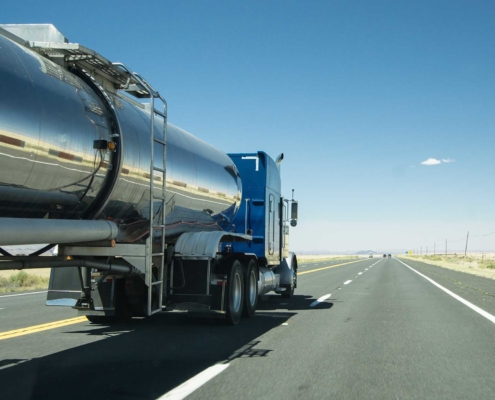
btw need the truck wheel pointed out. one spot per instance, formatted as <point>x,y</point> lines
<point>289,289</point>
<point>250,290</point>
<point>235,293</point>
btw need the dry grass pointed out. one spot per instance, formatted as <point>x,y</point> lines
<point>43,272</point>
<point>19,281</point>
<point>481,264</point>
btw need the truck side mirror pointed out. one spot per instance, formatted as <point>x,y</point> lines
<point>293,210</point>
<point>293,213</point>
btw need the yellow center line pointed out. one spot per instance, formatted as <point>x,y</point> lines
<point>39,328</point>
<point>77,320</point>
<point>330,266</point>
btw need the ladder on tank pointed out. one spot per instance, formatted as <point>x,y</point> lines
<point>154,283</point>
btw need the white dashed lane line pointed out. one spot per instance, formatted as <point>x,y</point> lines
<point>194,383</point>
<point>320,300</point>
<point>359,273</point>
<point>188,387</point>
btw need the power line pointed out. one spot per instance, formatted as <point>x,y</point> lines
<point>486,234</point>
<point>455,241</point>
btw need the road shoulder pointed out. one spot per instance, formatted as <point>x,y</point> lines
<point>476,289</point>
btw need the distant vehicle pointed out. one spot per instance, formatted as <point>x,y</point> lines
<point>389,256</point>
<point>384,256</point>
<point>371,255</point>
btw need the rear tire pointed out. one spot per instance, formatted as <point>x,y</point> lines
<point>235,293</point>
<point>250,290</point>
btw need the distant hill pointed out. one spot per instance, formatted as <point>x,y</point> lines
<point>366,252</point>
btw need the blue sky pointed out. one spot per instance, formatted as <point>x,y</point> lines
<point>355,93</point>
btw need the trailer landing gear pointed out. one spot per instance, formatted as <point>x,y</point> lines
<point>123,309</point>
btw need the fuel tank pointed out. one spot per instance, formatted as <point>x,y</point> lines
<point>53,123</point>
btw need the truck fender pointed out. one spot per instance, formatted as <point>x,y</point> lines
<point>205,244</point>
<point>286,269</point>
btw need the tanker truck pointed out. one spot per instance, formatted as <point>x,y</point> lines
<point>146,217</point>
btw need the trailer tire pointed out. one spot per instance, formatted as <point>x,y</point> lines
<point>250,289</point>
<point>235,293</point>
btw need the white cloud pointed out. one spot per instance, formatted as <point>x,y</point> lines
<point>447,160</point>
<point>431,161</point>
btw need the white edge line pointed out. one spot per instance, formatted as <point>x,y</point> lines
<point>194,383</point>
<point>23,294</point>
<point>347,282</point>
<point>488,316</point>
<point>320,300</point>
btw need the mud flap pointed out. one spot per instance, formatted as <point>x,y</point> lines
<point>64,288</point>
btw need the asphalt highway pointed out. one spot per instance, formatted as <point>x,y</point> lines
<point>374,328</point>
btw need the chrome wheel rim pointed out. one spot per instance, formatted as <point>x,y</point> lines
<point>252,288</point>
<point>237,293</point>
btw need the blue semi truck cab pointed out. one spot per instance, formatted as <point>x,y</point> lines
<point>263,213</point>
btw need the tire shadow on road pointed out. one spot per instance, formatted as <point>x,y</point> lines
<point>142,359</point>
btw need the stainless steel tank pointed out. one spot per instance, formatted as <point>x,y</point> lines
<point>50,168</point>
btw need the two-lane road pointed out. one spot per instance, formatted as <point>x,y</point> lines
<point>372,328</point>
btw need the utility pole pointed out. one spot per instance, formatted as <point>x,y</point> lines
<point>421,250</point>
<point>467,238</point>
<point>445,247</point>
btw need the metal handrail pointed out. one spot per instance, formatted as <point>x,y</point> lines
<point>149,247</point>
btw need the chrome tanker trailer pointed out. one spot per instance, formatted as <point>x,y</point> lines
<point>146,216</point>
